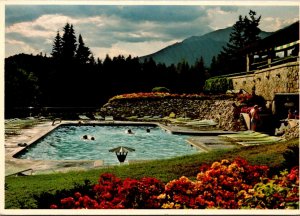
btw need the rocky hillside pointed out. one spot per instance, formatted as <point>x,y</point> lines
<point>218,109</point>
<point>221,111</point>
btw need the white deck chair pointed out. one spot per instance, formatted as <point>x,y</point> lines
<point>109,118</point>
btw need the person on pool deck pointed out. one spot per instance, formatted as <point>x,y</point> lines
<point>236,116</point>
<point>254,117</point>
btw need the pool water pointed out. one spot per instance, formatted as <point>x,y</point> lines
<point>66,143</point>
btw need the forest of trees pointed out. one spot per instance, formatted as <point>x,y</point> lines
<point>72,77</point>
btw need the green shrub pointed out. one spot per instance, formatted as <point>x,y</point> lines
<point>160,89</point>
<point>280,192</point>
<point>45,199</point>
<point>218,85</point>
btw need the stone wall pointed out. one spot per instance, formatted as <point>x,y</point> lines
<point>278,79</point>
<point>219,110</point>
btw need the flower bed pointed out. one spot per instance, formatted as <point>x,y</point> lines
<point>159,95</point>
<point>222,185</point>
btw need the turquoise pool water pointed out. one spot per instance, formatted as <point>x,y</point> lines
<point>66,143</point>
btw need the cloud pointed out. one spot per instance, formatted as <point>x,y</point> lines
<point>271,24</point>
<point>44,26</point>
<point>105,26</point>
<point>133,13</point>
<point>131,29</point>
<point>15,46</point>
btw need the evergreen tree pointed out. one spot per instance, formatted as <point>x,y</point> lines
<point>82,53</point>
<point>68,42</point>
<point>251,32</point>
<point>245,31</point>
<point>214,67</point>
<point>197,76</point>
<point>92,60</point>
<point>237,39</point>
<point>57,46</point>
<point>183,81</point>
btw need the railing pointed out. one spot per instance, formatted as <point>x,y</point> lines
<point>262,64</point>
<point>278,61</point>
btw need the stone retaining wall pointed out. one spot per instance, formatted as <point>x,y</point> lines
<point>278,79</point>
<point>219,110</point>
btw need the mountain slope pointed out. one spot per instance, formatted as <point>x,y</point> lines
<point>194,47</point>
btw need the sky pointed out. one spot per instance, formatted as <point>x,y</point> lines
<point>135,30</point>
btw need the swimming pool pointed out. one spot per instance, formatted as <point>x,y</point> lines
<point>66,143</point>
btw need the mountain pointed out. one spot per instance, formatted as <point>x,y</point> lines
<point>192,48</point>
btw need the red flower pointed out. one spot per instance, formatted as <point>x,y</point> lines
<point>77,194</point>
<point>53,206</point>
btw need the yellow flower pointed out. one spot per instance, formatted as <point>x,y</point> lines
<point>224,161</point>
<point>162,196</point>
<point>177,206</point>
<point>251,191</point>
<point>168,205</point>
<point>260,195</point>
<point>215,165</point>
<point>247,196</point>
<point>183,178</point>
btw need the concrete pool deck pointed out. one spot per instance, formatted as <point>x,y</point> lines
<point>31,135</point>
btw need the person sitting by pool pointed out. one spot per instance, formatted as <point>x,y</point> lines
<point>148,130</point>
<point>129,131</point>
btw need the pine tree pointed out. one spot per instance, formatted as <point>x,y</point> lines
<point>82,53</point>
<point>68,42</point>
<point>197,76</point>
<point>245,31</point>
<point>57,47</point>
<point>237,39</point>
<point>91,60</point>
<point>251,32</point>
<point>214,67</point>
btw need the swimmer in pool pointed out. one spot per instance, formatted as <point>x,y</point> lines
<point>129,131</point>
<point>148,130</point>
<point>86,137</point>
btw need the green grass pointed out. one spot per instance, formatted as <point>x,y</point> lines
<point>20,190</point>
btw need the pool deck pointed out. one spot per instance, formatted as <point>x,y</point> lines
<point>14,165</point>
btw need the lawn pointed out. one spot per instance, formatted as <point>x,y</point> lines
<point>20,191</point>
